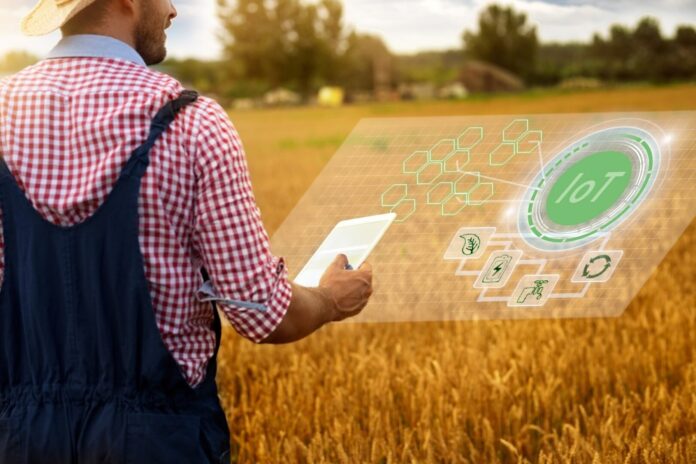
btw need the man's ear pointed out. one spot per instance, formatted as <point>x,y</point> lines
<point>130,7</point>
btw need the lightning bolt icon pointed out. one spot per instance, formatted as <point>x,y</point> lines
<point>497,271</point>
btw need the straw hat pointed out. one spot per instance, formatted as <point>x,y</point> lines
<point>49,15</point>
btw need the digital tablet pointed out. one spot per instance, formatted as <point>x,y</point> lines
<point>355,238</point>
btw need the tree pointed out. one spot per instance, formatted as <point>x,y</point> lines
<point>334,38</point>
<point>249,37</point>
<point>615,55</point>
<point>642,53</point>
<point>686,37</point>
<point>284,42</point>
<point>365,63</point>
<point>505,39</point>
<point>653,54</point>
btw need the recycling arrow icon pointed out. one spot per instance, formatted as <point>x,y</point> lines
<point>592,270</point>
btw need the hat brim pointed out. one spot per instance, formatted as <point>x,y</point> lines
<point>47,16</point>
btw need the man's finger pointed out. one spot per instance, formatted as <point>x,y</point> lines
<point>366,267</point>
<point>340,261</point>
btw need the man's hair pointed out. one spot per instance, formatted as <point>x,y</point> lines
<point>93,15</point>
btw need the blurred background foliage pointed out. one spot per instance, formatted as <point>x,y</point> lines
<point>300,47</point>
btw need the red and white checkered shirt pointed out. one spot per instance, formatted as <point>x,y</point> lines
<point>67,127</point>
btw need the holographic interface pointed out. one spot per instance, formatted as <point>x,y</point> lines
<point>505,217</point>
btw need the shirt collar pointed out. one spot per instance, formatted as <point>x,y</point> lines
<point>90,45</point>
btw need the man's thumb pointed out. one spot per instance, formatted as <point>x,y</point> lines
<point>340,261</point>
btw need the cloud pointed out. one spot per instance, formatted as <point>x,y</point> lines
<point>194,30</point>
<point>411,25</point>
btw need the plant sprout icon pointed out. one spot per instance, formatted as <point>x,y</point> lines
<point>472,243</point>
<point>536,291</point>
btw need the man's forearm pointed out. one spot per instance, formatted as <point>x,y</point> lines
<point>309,310</point>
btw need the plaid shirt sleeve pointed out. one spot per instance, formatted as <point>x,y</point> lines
<point>250,285</point>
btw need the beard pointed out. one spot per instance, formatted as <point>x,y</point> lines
<point>150,38</point>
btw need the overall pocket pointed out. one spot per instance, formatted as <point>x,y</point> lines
<point>163,439</point>
<point>11,442</point>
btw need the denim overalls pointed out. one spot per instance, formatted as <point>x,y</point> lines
<point>85,377</point>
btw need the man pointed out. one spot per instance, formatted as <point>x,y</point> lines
<point>119,191</point>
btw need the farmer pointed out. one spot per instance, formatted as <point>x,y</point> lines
<point>121,196</point>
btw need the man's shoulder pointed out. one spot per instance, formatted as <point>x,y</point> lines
<point>6,80</point>
<point>204,107</point>
<point>205,116</point>
<point>152,87</point>
<point>94,73</point>
<point>85,73</point>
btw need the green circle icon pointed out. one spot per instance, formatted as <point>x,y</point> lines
<point>589,188</point>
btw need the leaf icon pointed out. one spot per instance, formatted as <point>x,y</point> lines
<point>472,242</point>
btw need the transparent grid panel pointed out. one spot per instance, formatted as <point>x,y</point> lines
<point>583,207</point>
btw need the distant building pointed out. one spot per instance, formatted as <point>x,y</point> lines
<point>281,96</point>
<point>418,91</point>
<point>453,91</point>
<point>244,104</point>
<point>478,76</point>
<point>331,96</point>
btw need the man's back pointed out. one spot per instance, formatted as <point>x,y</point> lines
<point>117,190</point>
<point>68,125</point>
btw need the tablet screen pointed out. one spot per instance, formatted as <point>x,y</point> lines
<point>355,238</point>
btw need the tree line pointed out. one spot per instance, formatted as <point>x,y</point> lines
<point>298,45</point>
<point>625,54</point>
<point>641,53</point>
<point>302,46</point>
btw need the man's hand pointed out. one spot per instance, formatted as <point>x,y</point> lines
<point>341,294</point>
<point>347,290</point>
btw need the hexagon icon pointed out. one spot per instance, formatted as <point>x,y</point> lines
<point>515,130</point>
<point>529,142</point>
<point>467,182</point>
<point>404,209</point>
<point>394,194</point>
<point>470,138</point>
<point>414,162</point>
<point>441,150</point>
<point>454,205</point>
<point>428,173</point>
<point>480,194</point>
<point>440,192</point>
<point>502,154</point>
<point>457,161</point>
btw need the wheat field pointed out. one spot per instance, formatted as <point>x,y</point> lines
<point>588,390</point>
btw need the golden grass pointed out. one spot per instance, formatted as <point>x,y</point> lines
<point>598,390</point>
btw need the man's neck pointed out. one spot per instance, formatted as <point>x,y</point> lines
<point>115,33</point>
<point>95,45</point>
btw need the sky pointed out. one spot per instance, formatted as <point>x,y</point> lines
<point>406,25</point>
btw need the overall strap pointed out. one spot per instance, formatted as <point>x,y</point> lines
<point>5,174</point>
<point>139,160</point>
<point>217,323</point>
